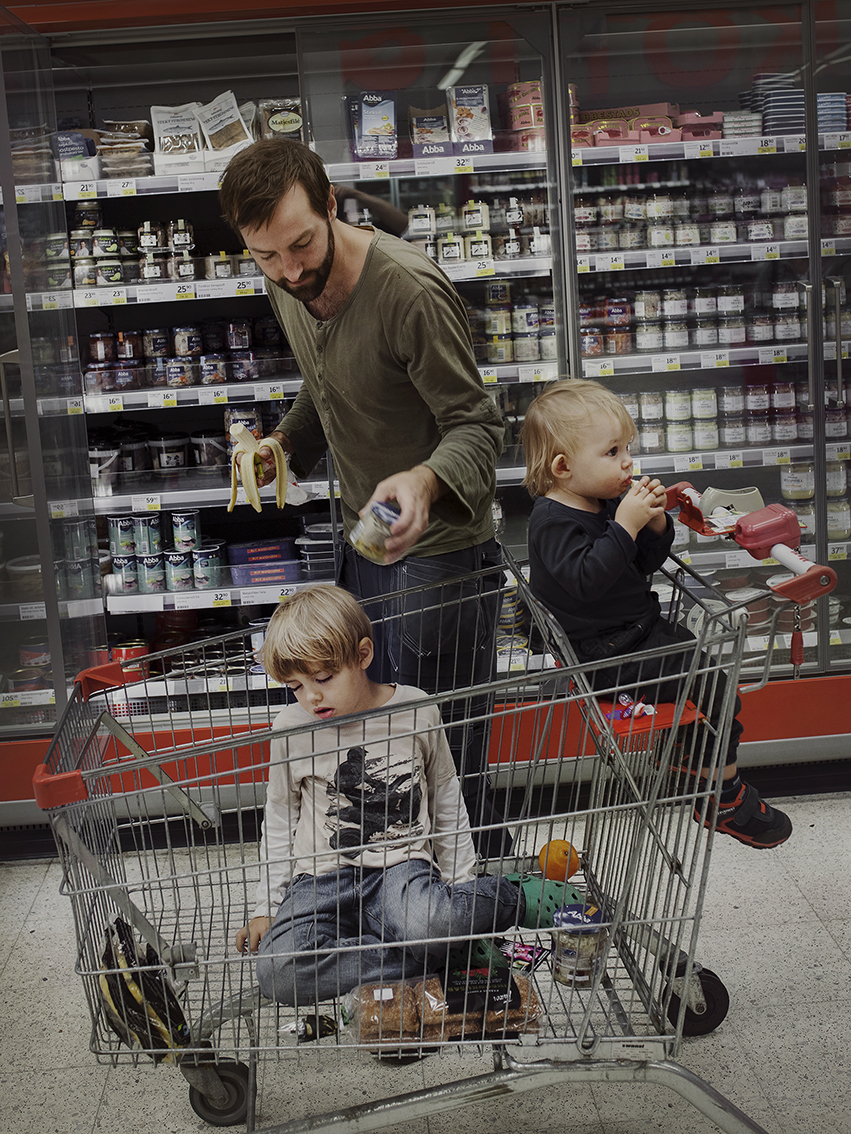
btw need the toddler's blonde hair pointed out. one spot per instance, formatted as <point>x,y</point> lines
<point>555,421</point>
<point>318,628</point>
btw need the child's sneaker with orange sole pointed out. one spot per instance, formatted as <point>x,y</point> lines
<point>751,820</point>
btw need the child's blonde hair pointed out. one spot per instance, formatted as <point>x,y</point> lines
<point>555,421</point>
<point>318,628</point>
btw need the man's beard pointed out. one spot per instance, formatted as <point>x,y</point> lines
<point>307,292</point>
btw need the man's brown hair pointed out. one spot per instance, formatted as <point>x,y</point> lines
<point>260,175</point>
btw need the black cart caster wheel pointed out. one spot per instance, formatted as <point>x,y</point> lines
<point>234,1077</point>
<point>717,1006</point>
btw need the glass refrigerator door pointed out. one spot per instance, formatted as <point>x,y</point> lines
<point>443,133</point>
<point>833,97</point>
<point>51,603</point>
<point>694,291</point>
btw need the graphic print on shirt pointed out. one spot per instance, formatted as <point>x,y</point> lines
<point>374,801</point>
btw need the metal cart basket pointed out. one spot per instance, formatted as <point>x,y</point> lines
<point>155,787</point>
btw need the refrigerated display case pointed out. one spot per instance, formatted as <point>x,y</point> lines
<point>50,603</point>
<point>173,337</point>
<point>716,212</point>
<point>699,294</point>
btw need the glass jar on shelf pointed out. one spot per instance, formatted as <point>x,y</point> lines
<point>731,399</point>
<point>647,305</point>
<point>836,482</point>
<point>660,234</point>
<point>835,423</point>
<point>838,519</point>
<point>784,427</point>
<point>704,402</point>
<point>731,430</point>
<point>757,397</point>
<point>758,427</point>
<point>797,481</point>
<point>677,405</point>
<point>706,434</point>
<point>703,332</point>
<point>678,436</point>
<point>731,299</point>
<point>703,301</point>
<point>731,330</point>
<point>651,406</point>
<point>675,334</point>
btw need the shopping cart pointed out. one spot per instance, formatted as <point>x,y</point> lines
<point>154,786</point>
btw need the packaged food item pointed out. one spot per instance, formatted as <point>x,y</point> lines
<point>281,118</point>
<point>221,122</point>
<point>372,125</point>
<point>369,534</point>
<point>469,115</point>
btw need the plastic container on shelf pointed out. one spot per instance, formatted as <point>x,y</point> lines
<point>169,451</point>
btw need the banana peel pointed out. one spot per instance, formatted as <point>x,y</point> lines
<point>251,465</point>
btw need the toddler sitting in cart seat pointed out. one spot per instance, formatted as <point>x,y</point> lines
<point>595,538</point>
<point>367,862</point>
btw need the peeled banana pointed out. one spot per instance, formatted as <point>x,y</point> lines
<point>248,446</point>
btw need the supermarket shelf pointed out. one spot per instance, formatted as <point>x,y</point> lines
<point>490,269</point>
<point>218,599</point>
<point>710,359</point>
<point>27,699</point>
<point>765,145</point>
<point>168,398</point>
<point>191,489</point>
<point>242,287</point>
<point>666,463</point>
<point>697,255</point>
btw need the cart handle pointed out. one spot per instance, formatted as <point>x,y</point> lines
<point>770,532</point>
<point>100,677</point>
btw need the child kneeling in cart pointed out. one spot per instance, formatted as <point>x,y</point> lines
<point>367,861</point>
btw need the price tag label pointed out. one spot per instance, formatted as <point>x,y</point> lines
<point>56,192</point>
<point>57,301</point>
<point>144,503</point>
<point>766,146</point>
<point>463,164</point>
<point>27,194</point>
<point>835,638</point>
<point>185,290</point>
<point>698,149</point>
<point>154,293</point>
<point>594,368</point>
<point>776,457</point>
<point>10,700</point>
<point>714,359</point>
<point>244,288</point>
<point>286,592</point>
<point>32,611</point>
<point>191,600</point>
<point>376,169</point>
<point>114,403</point>
<point>63,509</point>
<point>661,363</point>
<point>734,559</point>
<point>485,268</point>
<point>692,462</point>
<point>576,157</point>
<point>828,247</point>
<point>837,141</point>
<point>830,351</point>
<point>162,399</point>
<point>765,252</point>
<point>489,375</point>
<point>221,685</point>
<point>87,299</point>
<point>212,396</point>
<point>275,392</point>
<point>74,407</point>
<point>795,144</point>
<point>734,147</point>
<point>731,460</point>
<point>221,598</point>
<point>769,356</point>
<point>707,255</point>
<point>198,182</point>
<point>633,153</point>
<point>125,187</point>
<point>433,167</point>
<point>255,596</point>
<point>610,262</point>
<point>838,451</point>
<point>539,372</point>
<point>86,190</point>
<point>837,551</point>
<point>583,264</point>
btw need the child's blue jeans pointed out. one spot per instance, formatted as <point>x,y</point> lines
<point>335,931</point>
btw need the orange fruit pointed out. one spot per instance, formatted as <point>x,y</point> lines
<point>558,860</point>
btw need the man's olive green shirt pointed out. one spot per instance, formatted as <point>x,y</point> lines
<point>391,382</point>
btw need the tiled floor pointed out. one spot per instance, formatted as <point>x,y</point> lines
<point>777,930</point>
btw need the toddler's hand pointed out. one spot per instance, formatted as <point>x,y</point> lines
<point>252,933</point>
<point>644,503</point>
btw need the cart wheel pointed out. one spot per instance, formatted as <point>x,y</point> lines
<point>234,1077</point>
<point>717,1006</point>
